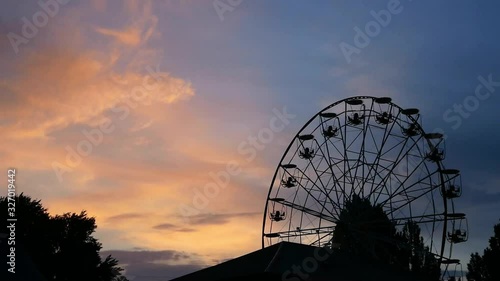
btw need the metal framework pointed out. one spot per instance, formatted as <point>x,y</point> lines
<point>371,147</point>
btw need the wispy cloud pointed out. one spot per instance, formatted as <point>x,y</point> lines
<point>217,219</point>
<point>126,216</point>
<point>168,226</point>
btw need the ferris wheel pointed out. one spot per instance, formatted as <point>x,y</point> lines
<point>372,148</point>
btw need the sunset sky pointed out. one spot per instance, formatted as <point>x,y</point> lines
<point>161,94</point>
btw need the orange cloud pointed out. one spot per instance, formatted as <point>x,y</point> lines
<point>131,36</point>
<point>160,153</point>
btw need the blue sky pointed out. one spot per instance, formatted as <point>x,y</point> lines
<point>223,73</point>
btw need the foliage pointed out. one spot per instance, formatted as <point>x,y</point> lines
<point>362,230</point>
<point>61,246</point>
<point>486,267</point>
<point>413,255</point>
<point>365,231</point>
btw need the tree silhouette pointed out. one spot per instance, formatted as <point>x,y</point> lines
<point>413,255</point>
<point>61,246</point>
<point>476,268</point>
<point>487,266</point>
<point>365,231</point>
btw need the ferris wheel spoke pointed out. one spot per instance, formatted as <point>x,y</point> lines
<point>397,191</point>
<point>421,219</point>
<point>318,176</point>
<point>388,171</point>
<point>352,156</point>
<point>308,211</point>
<point>408,201</point>
<point>305,231</point>
<point>351,153</point>
<point>296,193</point>
<point>415,197</point>
<point>362,152</point>
<point>409,175</point>
<point>374,140</point>
<point>347,167</point>
<point>344,178</point>
<point>396,162</point>
<point>380,169</point>
<point>308,232</point>
<point>380,150</point>
<point>344,155</point>
<point>336,164</point>
<point>321,237</point>
<point>308,191</point>
<point>339,151</point>
<point>332,177</point>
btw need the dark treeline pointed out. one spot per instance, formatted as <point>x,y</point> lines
<point>59,247</point>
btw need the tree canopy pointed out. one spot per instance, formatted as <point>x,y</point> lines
<point>364,230</point>
<point>486,267</point>
<point>62,246</point>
